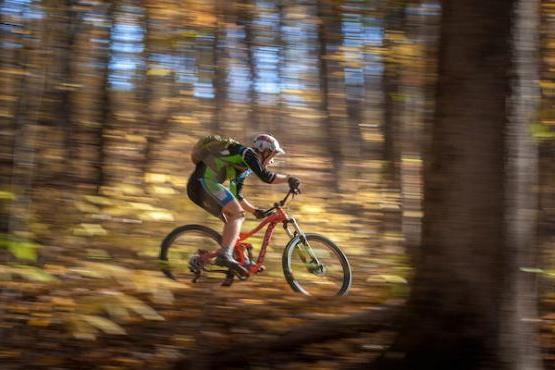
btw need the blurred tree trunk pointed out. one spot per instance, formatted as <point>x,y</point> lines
<point>148,87</point>
<point>471,305</point>
<point>34,60</point>
<point>105,102</point>
<point>547,125</point>
<point>394,31</point>
<point>394,26</point>
<point>279,116</point>
<point>247,19</point>
<point>417,88</point>
<point>72,25</point>
<point>356,149</point>
<point>8,88</point>
<point>519,340</point>
<point>159,82</point>
<point>219,65</point>
<point>327,27</point>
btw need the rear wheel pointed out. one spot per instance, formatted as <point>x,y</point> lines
<point>188,250</point>
<point>316,266</point>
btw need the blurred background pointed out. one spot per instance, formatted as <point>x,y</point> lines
<point>100,105</point>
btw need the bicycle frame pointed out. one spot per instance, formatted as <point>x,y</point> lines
<point>242,246</point>
<point>272,220</point>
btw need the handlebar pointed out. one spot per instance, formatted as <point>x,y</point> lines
<point>282,202</point>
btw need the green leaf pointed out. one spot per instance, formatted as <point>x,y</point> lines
<point>20,249</point>
<point>6,195</point>
<point>542,132</point>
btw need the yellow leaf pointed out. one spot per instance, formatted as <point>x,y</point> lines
<point>6,195</point>
<point>139,307</point>
<point>157,216</point>
<point>39,322</point>
<point>103,324</point>
<point>159,72</point>
<point>33,274</point>
<point>89,230</point>
<point>86,207</point>
<point>162,190</point>
<point>142,206</point>
<point>101,201</point>
<point>156,178</point>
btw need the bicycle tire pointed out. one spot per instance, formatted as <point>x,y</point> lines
<point>177,234</point>
<point>287,259</point>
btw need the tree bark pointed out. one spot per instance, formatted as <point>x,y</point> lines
<point>469,301</point>
<point>333,144</point>
<point>219,66</point>
<point>518,340</point>
<point>250,41</point>
<point>106,113</point>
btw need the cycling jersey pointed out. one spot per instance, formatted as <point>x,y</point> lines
<point>233,164</point>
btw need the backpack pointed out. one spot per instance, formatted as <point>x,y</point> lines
<point>211,145</point>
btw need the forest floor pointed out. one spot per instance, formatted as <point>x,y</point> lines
<point>96,298</point>
<point>109,316</point>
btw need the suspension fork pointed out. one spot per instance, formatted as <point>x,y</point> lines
<point>304,250</point>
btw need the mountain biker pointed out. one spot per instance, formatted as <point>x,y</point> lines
<point>234,163</point>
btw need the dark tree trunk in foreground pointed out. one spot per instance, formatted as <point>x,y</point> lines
<point>471,305</point>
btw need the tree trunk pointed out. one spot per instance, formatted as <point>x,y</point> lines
<point>34,56</point>
<point>67,117</point>
<point>250,9</point>
<point>470,305</point>
<point>325,28</point>
<point>394,22</point>
<point>106,113</point>
<point>219,66</point>
<point>518,341</point>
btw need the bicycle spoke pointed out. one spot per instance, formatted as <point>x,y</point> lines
<point>318,268</point>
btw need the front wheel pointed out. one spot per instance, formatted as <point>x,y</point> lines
<point>314,265</point>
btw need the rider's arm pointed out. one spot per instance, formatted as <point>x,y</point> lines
<point>263,173</point>
<point>238,187</point>
<point>247,206</point>
<point>254,164</point>
<point>280,179</point>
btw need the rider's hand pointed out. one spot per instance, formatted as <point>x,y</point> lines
<point>294,184</point>
<point>259,213</point>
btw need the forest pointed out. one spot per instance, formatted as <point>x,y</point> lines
<point>423,132</point>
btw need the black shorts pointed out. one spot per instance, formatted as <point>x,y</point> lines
<point>200,196</point>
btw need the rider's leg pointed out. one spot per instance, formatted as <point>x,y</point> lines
<point>235,215</point>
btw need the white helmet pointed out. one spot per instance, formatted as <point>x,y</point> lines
<point>264,142</point>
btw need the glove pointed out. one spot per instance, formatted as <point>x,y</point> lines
<point>294,184</point>
<point>259,214</point>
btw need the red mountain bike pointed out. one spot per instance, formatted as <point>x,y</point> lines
<point>312,264</point>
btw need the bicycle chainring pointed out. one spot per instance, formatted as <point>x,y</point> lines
<point>195,264</point>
